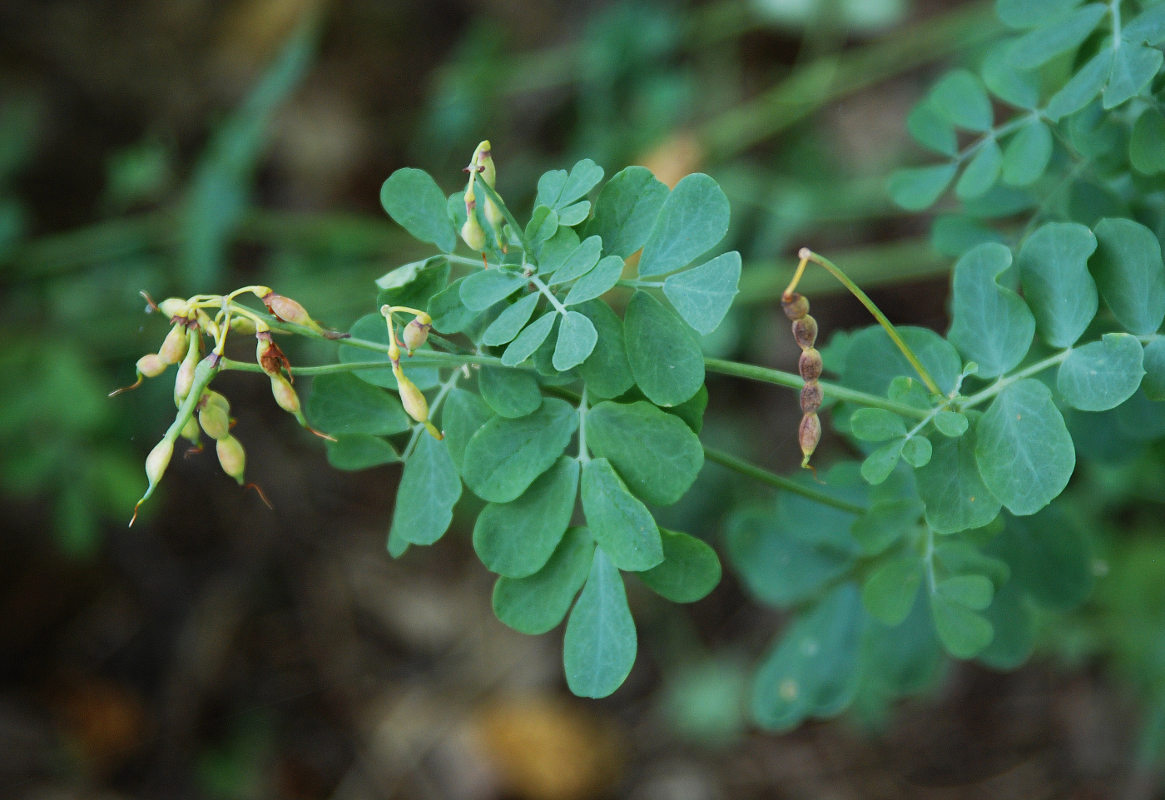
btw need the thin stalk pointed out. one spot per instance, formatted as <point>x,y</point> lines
<point>808,255</point>
<point>780,482</point>
<point>791,380</point>
<point>986,394</point>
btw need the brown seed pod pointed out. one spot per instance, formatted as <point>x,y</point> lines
<point>805,331</point>
<point>811,397</point>
<point>810,365</point>
<point>795,305</point>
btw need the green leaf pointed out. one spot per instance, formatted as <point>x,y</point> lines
<point>1018,87</point>
<point>957,556</point>
<point>973,591</point>
<point>690,569</point>
<point>578,263</point>
<point>951,423</point>
<point>413,284</point>
<point>449,314</point>
<point>557,189</point>
<point>693,219</point>
<point>878,465</point>
<point>461,415</point>
<point>917,188</point>
<point>932,129</point>
<point>1128,269</point>
<point>963,632</point>
<point>952,490</point>
<point>416,202</point>
<point>510,322</point>
<point>814,670</point>
<point>1133,67</point>
<point>360,451</point>
<point>954,234</point>
<point>574,213</point>
<point>621,524</point>
<point>555,250</point>
<point>526,342</point>
<point>1148,27</point>
<point>656,453</point>
<point>626,210</point>
<point>504,456</point>
<point>598,649</point>
<point>960,98</point>
<point>1053,268</point>
<point>537,603</point>
<point>891,588</point>
<point>1101,375</point>
<point>917,451</point>
<point>1014,630</point>
<point>991,325</point>
<point>1154,364</point>
<point>1032,13</point>
<point>1084,85</point>
<point>1049,556</point>
<point>1050,40</point>
<point>982,172</point>
<point>886,522</point>
<point>576,341</point>
<point>606,371</point>
<point>876,425</point>
<point>662,351</point>
<point>597,282</point>
<point>1027,154</point>
<point>511,393</point>
<point>429,488</point>
<point>542,225</point>
<point>703,294</point>
<point>873,361</point>
<point>482,289</point>
<point>516,539</point>
<point>1024,452</point>
<point>1145,151</point>
<point>344,404</point>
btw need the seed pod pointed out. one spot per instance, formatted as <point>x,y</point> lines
<point>805,331</point>
<point>243,326</point>
<point>483,163</point>
<point>268,354</point>
<point>158,460</point>
<point>811,396</point>
<point>284,394</point>
<point>809,365</point>
<point>414,402</point>
<point>231,457</point>
<point>415,334</point>
<point>191,431</point>
<point>288,310</point>
<point>176,343</point>
<point>184,379</point>
<point>471,232</point>
<point>795,305</point>
<point>151,365</point>
<point>173,307</point>
<point>808,435</point>
<point>214,418</point>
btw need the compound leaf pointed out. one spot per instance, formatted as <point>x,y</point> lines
<point>1053,269</point>
<point>952,489</point>
<point>917,188</point>
<point>606,371</point>
<point>1050,40</point>
<point>429,488</point>
<point>662,351</point>
<point>416,202</point>
<point>1128,269</point>
<point>960,97</point>
<point>482,289</point>
<point>538,602</point>
<point>932,129</point>
<point>690,568</point>
<point>876,425</point>
<point>529,340</point>
<point>597,282</point>
<point>1133,67</point>
<point>509,392</point>
<point>982,172</point>
<point>703,294</point>
<point>626,210</point>
<point>510,322</point>
<point>1084,85</point>
<point>576,341</point>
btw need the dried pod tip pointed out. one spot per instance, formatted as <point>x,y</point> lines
<point>795,305</point>
<point>805,332</point>
<point>269,355</point>
<point>809,365</point>
<point>808,435</point>
<point>231,457</point>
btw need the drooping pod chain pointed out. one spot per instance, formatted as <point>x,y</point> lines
<point>796,308</point>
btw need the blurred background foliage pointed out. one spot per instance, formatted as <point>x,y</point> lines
<point>221,650</point>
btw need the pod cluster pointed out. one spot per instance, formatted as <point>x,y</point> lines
<point>796,308</point>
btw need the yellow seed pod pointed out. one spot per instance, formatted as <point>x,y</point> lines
<point>215,420</point>
<point>415,333</point>
<point>151,365</point>
<point>191,431</point>
<point>284,394</point>
<point>176,343</point>
<point>158,460</point>
<point>471,232</point>
<point>173,307</point>
<point>184,379</point>
<point>231,457</point>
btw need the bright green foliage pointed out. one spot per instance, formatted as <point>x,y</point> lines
<point>344,404</point>
<point>1101,375</point>
<point>690,568</point>
<point>599,647</point>
<point>960,98</point>
<point>620,523</point>
<point>654,452</point>
<point>413,199</point>
<point>991,325</point>
<point>505,455</point>
<point>509,392</point>
<point>358,451</point>
<point>428,490</point>
<point>663,353</point>
<point>692,220</point>
<point>1027,154</point>
<point>537,603</point>
<point>626,210</point>
<point>952,489</point>
<point>890,590</point>
<point>703,294</point>
<point>1053,267</point>
<point>576,341</point>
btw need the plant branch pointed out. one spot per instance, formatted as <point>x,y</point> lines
<point>779,481</point>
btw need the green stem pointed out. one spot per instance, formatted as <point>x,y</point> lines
<point>888,326</point>
<point>793,381</point>
<point>773,479</point>
<point>1002,383</point>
